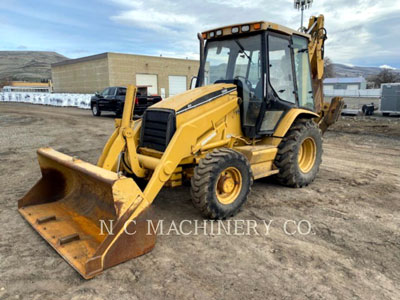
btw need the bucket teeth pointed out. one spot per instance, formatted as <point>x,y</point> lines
<point>45,219</point>
<point>68,239</point>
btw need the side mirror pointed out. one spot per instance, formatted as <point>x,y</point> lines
<point>193,82</point>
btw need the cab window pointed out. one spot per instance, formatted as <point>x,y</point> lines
<point>280,68</point>
<point>238,59</point>
<point>248,66</point>
<point>217,63</point>
<point>302,68</point>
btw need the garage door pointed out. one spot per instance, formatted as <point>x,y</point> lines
<point>352,87</point>
<point>177,84</point>
<point>148,79</point>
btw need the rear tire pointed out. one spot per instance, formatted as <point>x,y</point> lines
<point>300,154</point>
<point>96,110</point>
<point>221,183</point>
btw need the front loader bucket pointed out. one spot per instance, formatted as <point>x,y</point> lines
<point>89,215</point>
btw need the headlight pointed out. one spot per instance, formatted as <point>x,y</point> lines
<point>212,34</point>
<point>219,32</point>
<point>235,30</point>
<point>245,28</point>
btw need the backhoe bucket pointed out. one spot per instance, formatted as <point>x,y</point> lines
<point>90,216</point>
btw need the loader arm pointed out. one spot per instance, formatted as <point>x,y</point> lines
<point>328,112</point>
<point>122,140</point>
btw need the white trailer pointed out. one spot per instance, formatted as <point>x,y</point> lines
<point>390,99</point>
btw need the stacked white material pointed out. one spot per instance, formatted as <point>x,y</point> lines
<point>74,100</point>
<point>370,93</point>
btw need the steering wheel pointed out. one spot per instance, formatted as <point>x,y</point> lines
<point>248,82</point>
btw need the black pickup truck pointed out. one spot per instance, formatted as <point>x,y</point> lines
<point>113,99</point>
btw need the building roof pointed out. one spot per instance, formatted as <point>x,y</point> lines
<point>81,59</point>
<point>344,80</point>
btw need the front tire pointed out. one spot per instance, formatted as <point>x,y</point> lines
<point>300,154</point>
<point>96,110</point>
<point>221,183</point>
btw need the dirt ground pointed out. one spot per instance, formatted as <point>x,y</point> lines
<point>353,207</point>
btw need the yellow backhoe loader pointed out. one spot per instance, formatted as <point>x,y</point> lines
<point>257,110</point>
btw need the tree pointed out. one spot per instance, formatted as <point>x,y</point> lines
<point>329,71</point>
<point>4,82</point>
<point>385,76</point>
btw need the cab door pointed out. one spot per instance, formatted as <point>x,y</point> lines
<point>103,102</point>
<point>303,73</point>
<point>280,93</point>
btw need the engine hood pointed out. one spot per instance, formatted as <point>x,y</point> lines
<point>196,97</point>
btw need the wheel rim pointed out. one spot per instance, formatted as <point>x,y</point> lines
<point>228,186</point>
<point>95,110</point>
<point>307,155</point>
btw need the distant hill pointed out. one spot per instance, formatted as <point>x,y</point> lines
<point>35,66</point>
<point>353,71</point>
<point>27,65</point>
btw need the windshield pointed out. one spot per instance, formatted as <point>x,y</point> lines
<point>229,59</point>
<point>239,59</point>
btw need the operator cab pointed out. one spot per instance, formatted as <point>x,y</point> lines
<point>269,64</point>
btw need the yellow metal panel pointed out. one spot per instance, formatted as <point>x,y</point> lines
<point>227,30</point>
<point>258,153</point>
<point>289,118</point>
<point>181,100</point>
<point>263,169</point>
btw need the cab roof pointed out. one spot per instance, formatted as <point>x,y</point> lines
<point>243,28</point>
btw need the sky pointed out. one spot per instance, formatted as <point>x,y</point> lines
<point>360,32</point>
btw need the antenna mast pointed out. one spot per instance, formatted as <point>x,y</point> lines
<point>302,5</point>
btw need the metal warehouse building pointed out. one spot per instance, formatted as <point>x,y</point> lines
<point>166,76</point>
<point>345,83</point>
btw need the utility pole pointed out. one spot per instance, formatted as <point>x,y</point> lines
<point>302,5</point>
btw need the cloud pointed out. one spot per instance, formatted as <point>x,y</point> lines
<point>387,67</point>
<point>236,3</point>
<point>353,26</point>
<point>360,32</point>
<point>176,25</point>
<point>160,21</point>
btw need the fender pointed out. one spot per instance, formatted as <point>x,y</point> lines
<point>289,118</point>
